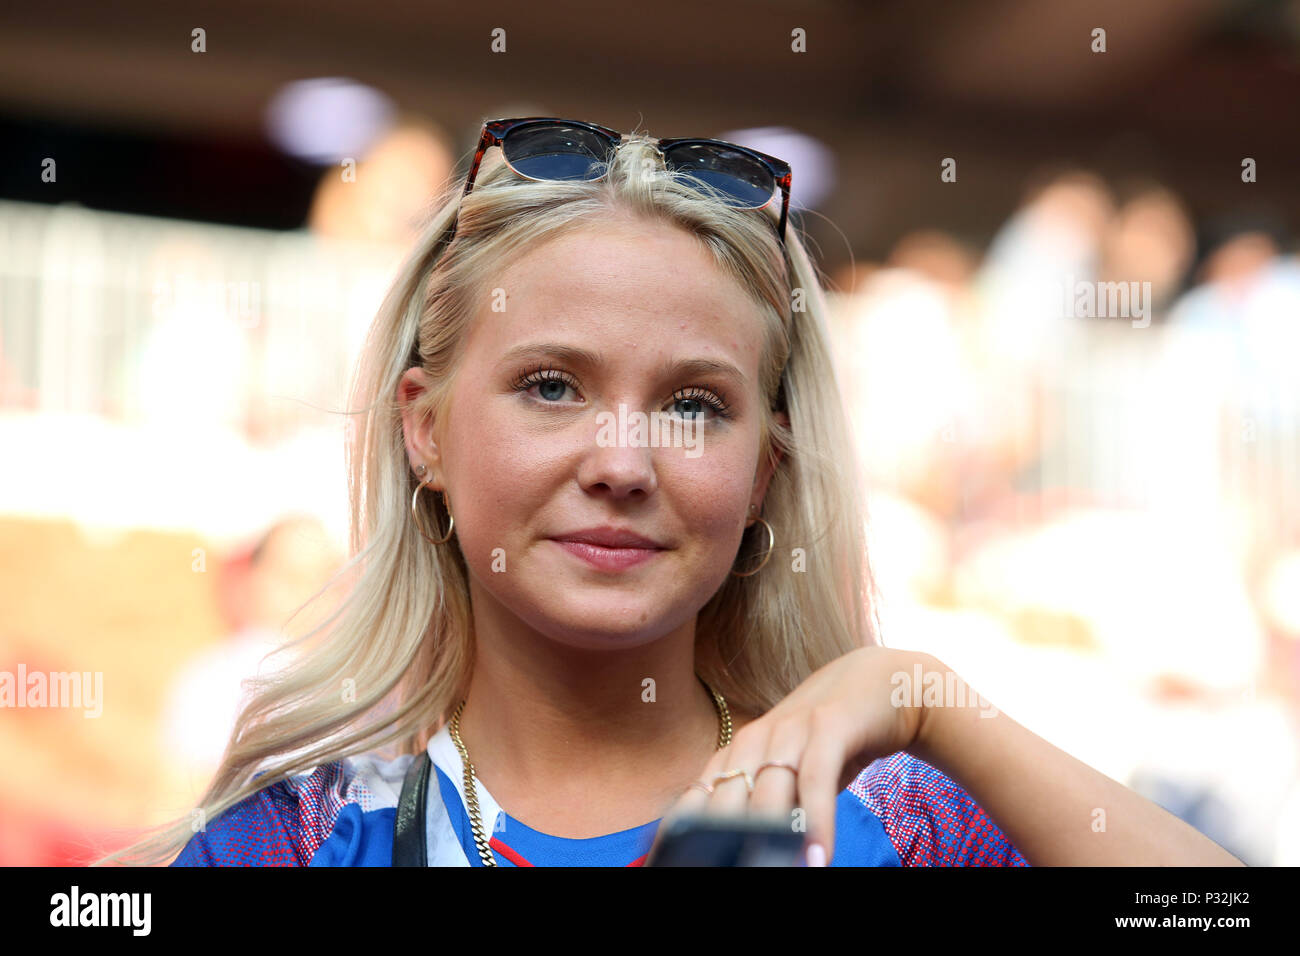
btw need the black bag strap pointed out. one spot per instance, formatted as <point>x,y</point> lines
<point>409,847</point>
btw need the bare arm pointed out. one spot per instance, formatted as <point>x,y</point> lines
<point>1056,810</point>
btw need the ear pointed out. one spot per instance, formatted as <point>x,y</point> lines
<point>766,469</point>
<point>419,431</point>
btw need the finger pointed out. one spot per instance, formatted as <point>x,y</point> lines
<point>819,774</point>
<point>775,788</point>
<point>745,752</point>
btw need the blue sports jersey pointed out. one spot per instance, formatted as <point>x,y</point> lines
<point>899,811</point>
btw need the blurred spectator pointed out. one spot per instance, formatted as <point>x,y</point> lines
<point>937,256</point>
<point>1053,241</point>
<point>851,277</point>
<point>260,591</point>
<point>1246,310</point>
<point>904,380</point>
<point>395,183</point>
<point>1150,239</point>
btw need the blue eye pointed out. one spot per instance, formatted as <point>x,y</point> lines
<point>551,383</point>
<point>697,399</point>
<point>697,409</point>
<point>552,389</point>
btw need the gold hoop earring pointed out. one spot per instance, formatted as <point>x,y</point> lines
<point>415,515</point>
<point>771,543</point>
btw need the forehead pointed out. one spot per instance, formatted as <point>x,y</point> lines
<point>623,288</point>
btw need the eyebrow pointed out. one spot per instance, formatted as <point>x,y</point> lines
<point>580,356</point>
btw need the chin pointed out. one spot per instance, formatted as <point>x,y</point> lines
<point>599,623</point>
<point>618,612</point>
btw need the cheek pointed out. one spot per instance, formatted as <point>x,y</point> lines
<point>498,477</point>
<point>711,496</point>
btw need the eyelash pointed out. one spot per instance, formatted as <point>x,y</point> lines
<point>710,397</point>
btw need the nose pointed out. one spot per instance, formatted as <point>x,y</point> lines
<point>621,472</point>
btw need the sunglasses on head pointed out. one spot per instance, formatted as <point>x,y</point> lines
<point>546,148</point>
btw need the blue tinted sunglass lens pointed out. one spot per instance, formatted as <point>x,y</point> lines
<point>742,178</point>
<point>557,152</point>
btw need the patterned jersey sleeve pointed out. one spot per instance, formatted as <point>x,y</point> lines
<point>928,818</point>
<point>280,825</point>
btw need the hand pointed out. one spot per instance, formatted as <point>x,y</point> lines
<point>830,727</point>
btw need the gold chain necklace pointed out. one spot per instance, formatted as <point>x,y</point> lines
<point>471,797</point>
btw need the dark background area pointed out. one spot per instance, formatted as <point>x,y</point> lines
<point>1186,89</point>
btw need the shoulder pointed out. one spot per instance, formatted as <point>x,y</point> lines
<point>929,819</point>
<point>288,822</point>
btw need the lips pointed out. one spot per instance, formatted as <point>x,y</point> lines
<point>607,537</point>
<point>610,549</point>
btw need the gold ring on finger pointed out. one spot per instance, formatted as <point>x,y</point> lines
<point>701,786</point>
<point>749,781</point>
<point>776,763</point>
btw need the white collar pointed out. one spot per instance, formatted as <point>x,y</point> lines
<point>444,848</point>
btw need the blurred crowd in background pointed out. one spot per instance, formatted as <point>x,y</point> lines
<point>1097,516</point>
<point>1093,517</point>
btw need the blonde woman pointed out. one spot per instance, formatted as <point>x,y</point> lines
<point>609,564</point>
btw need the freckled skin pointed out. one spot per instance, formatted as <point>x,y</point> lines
<point>521,466</point>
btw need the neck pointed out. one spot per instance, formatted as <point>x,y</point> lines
<point>544,720</point>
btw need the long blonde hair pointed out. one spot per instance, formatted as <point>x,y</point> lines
<point>389,665</point>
